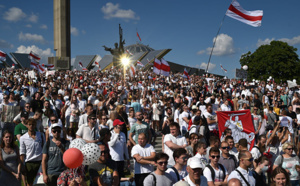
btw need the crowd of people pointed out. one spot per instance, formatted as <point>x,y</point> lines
<point>124,115</point>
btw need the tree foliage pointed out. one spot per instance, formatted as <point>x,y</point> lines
<point>277,59</point>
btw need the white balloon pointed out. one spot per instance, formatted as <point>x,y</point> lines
<point>91,153</point>
<point>245,67</point>
<point>77,143</point>
<point>270,77</point>
<point>294,80</point>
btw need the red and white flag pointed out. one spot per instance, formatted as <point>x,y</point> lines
<point>156,66</point>
<point>223,69</point>
<point>165,68</point>
<point>186,74</point>
<point>96,62</point>
<point>34,57</point>
<point>50,66</point>
<point>2,56</point>
<point>34,65</point>
<point>80,64</point>
<point>13,66</point>
<point>132,70</point>
<point>138,35</point>
<point>138,63</point>
<point>128,52</point>
<point>41,69</point>
<point>85,69</point>
<point>252,18</point>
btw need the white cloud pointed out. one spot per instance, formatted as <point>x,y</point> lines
<point>44,27</point>
<point>5,44</point>
<point>33,18</point>
<point>74,31</point>
<point>113,11</point>
<point>28,25</point>
<point>224,46</point>
<point>292,41</point>
<point>44,54</point>
<point>31,37</point>
<point>14,14</point>
<point>211,66</point>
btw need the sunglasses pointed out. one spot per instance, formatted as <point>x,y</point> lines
<point>225,147</point>
<point>93,118</point>
<point>104,118</point>
<point>213,157</point>
<point>56,131</point>
<point>104,152</point>
<point>53,120</point>
<point>162,162</point>
<point>249,159</point>
<point>27,106</point>
<point>289,148</point>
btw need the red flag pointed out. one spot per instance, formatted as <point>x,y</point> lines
<point>240,123</point>
<point>104,92</point>
<point>223,69</point>
<point>252,18</point>
<point>138,36</point>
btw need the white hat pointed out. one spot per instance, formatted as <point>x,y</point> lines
<point>194,107</point>
<point>181,183</point>
<point>195,163</point>
<point>56,125</point>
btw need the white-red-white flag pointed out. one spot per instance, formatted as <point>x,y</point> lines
<point>97,61</point>
<point>41,69</point>
<point>138,63</point>
<point>80,64</point>
<point>85,69</point>
<point>132,70</point>
<point>128,52</point>
<point>252,18</point>
<point>34,57</point>
<point>165,68</point>
<point>156,66</point>
<point>50,66</point>
<point>223,69</point>
<point>34,65</point>
<point>186,74</point>
<point>2,56</point>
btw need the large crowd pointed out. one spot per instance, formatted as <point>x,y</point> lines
<point>124,115</point>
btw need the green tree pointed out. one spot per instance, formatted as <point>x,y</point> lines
<point>277,59</point>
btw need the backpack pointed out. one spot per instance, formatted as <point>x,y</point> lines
<point>154,178</point>
<point>176,172</point>
<point>213,174</point>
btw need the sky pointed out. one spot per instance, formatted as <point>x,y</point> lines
<point>187,27</point>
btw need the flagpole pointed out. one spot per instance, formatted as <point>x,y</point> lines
<point>216,39</point>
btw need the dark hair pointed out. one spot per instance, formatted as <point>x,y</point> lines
<point>39,111</point>
<point>215,150</point>
<point>174,125</point>
<point>279,170</point>
<point>213,139</point>
<point>227,130</point>
<point>12,144</point>
<point>160,155</point>
<point>228,138</point>
<point>243,142</point>
<point>261,136</point>
<point>178,152</point>
<point>243,154</point>
<point>198,146</point>
<point>89,105</point>
<point>31,121</point>
<point>261,159</point>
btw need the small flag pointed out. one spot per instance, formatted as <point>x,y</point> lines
<point>13,66</point>
<point>138,36</point>
<point>252,18</point>
<point>128,52</point>
<point>80,64</point>
<point>186,74</point>
<point>85,69</point>
<point>2,56</point>
<point>138,63</point>
<point>223,69</point>
<point>165,68</point>
<point>97,61</point>
<point>132,70</point>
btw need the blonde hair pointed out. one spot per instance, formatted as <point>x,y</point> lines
<point>286,144</point>
<point>113,115</point>
<point>119,107</point>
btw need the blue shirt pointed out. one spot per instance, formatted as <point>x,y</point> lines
<point>136,106</point>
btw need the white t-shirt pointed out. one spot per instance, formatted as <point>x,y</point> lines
<point>219,174</point>
<point>182,173</point>
<point>211,116</point>
<point>179,140</point>
<point>144,152</point>
<point>183,124</point>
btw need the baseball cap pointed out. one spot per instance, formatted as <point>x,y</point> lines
<point>117,122</point>
<point>103,132</point>
<point>56,125</point>
<point>194,107</point>
<point>195,163</point>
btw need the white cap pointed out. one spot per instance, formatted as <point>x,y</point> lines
<point>56,125</point>
<point>194,107</point>
<point>181,183</point>
<point>195,163</point>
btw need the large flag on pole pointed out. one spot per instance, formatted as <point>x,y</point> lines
<point>156,66</point>
<point>2,56</point>
<point>223,69</point>
<point>252,18</point>
<point>138,35</point>
<point>34,65</point>
<point>138,63</point>
<point>165,68</point>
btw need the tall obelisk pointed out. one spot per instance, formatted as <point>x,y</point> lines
<point>62,34</point>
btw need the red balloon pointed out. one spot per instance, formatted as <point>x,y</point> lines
<point>73,158</point>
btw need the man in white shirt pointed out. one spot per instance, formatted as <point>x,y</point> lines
<point>143,154</point>
<point>215,173</point>
<point>25,98</point>
<point>83,117</point>
<point>81,102</point>
<point>211,118</point>
<point>184,120</point>
<point>194,168</point>
<point>242,172</point>
<point>89,132</point>
<point>118,148</point>
<point>179,170</point>
<point>173,141</point>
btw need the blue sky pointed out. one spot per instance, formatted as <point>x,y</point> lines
<point>187,27</point>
